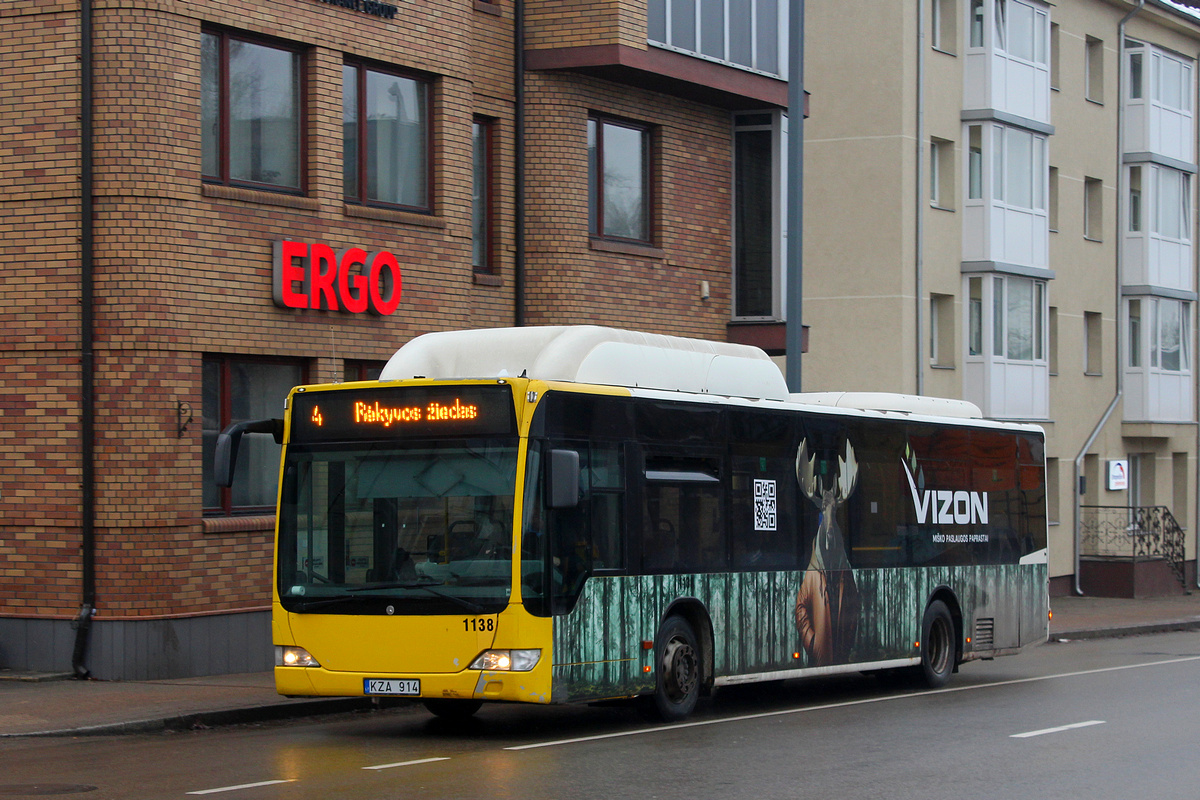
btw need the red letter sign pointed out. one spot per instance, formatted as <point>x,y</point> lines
<point>287,272</point>
<point>351,280</point>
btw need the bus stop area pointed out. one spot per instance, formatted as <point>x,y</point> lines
<point>59,705</point>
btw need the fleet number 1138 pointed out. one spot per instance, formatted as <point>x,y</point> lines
<point>478,624</point>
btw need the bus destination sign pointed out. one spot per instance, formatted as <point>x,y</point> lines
<point>348,414</point>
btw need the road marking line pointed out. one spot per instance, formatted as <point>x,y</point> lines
<point>1059,729</point>
<point>848,703</point>
<point>407,763</point>
<point>241,786</point>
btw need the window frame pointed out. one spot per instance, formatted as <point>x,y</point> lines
<point>483,199</point>
<point>989,319</point>
<point>362,67</point>
<point>1093,209</point>
<point>596,125</point>
<point>757,122</point>
<point>224,139</point>
<point>1093,69</point>
<point>224,364</point>
<point>355,370</point>
<point>1183,331</point>
<point>750,34</point>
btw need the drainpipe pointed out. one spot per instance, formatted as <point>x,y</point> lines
<point>1120,272</point>
<point>794,335</point>
<point>519,163</point>
<point>919,255</point>
<point>87,418</point>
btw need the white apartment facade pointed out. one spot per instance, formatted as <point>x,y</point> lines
<point>1000,206</point>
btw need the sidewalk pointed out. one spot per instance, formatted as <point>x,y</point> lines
<point>56,705</point>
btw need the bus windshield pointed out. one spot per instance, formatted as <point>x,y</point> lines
<point>413,527</point>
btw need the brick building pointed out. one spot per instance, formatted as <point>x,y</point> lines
<point>206,203</point>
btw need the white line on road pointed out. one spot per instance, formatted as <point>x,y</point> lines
<point>827,706</point>
<point>407,763</point>
<point>1059,729</point>
<point>240,786</point>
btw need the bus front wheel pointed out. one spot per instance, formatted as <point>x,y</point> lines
<point>938,651</point>
<point>677,685</point>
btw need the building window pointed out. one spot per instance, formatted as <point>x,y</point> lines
<point>975,317</point>
<point>1093,355</point>
<point>1174,84</point>
<point>1135,199</point>
<point>361,370</point>
<point>385,138</point>
<point>1093,66</point>
<point>1137,88</point>
<point>1021,30</point>
<point>1158,376</point>
<point>1134,343</point>
<point>1052,200</point>
<point>941,173</point>
<point>1052,496</point>
<point>1054,55</point>
<point>941,330</point>
<point>758,207</point>
<point>1007,370</point>
<point>1052,339</point>
<point>943,19</point>
<point>1019,171</point>
<point>1170,327</point>
<point>1093,209</point>
<point>236,390</point>
<point>1180,477</point>
<point>975,162</point>
<point>1159,333</point>
<point>741,33</point>
<point>251,107</point>
<point>1172,204</point>
<point>619,179</point>
<point>482,214</point>
<point>1019,318</point>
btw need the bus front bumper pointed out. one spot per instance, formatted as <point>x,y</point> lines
<point>522,687</point>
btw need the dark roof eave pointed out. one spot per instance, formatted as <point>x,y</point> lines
<point>668,72</point>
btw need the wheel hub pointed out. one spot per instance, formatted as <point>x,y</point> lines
<point>680,668</point>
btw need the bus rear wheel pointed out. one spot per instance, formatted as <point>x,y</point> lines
<point>938,651</point>
<point>677,685</point>
<point>452,709</point>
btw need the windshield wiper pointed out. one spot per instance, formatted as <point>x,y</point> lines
<point>467,604</point>
<point>310,604</point>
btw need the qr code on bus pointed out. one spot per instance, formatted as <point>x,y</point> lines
<point>764,505</point>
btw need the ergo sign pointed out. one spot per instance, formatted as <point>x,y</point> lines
<point>353,280</point>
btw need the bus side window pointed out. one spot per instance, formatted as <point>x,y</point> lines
<point>606,499</point>
<point>683,527</point>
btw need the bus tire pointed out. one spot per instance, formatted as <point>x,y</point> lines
<point>938,650</point>
<point>677,677</point>
<point>451,709</point>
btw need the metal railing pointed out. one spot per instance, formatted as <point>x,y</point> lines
<point>1136,533</point>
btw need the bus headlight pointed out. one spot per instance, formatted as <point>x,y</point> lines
<point>294,657</point>
<point>507,660</point>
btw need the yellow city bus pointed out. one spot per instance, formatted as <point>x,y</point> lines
<point>578,513</point>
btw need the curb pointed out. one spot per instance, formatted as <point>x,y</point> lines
<point>212,719</point>
<point>1125,630</point>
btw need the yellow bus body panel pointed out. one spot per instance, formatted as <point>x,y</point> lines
<point>435,649</point>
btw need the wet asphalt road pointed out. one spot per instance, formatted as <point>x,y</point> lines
<point>1115,718</point>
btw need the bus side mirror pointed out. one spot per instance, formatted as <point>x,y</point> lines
<point>228,441</point>
<point>562,479</point>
